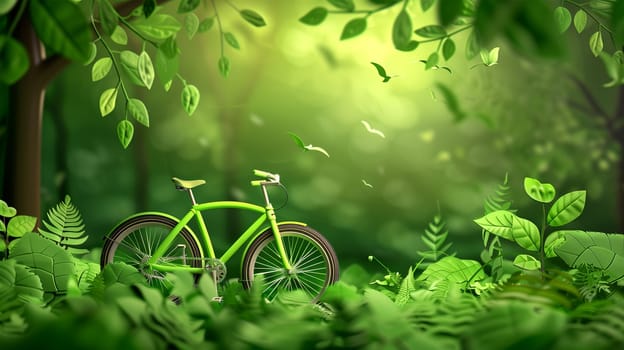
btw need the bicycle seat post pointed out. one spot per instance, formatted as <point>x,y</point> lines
<point>190,191</point>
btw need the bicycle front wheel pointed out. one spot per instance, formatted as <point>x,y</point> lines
<point>314,262</point>
<point>134,240</point>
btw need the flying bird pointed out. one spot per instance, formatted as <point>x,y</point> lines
<point>366,183</point>
<point>371,130</point>
<point>309,147</point>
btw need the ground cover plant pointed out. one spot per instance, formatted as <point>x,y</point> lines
<point>567,296</point>
<point>412,109</point>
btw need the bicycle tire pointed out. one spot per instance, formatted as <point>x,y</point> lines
<point>139,235</point>
<point>312,257</point>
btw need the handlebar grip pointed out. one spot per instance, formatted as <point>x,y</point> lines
<point>263,174</point>
<point>257,182</point>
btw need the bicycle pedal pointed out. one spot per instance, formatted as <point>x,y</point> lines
<point>217,299</point>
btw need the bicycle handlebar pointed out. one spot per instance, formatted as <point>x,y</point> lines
<point>269,178</point>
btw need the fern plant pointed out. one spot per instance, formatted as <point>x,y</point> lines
<point>492,254</point>
<point>65,227</point>
<point>435,239</point>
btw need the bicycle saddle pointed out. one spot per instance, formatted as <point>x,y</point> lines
<point>186,184</point>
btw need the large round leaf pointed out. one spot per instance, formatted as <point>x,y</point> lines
<point>51,263</point>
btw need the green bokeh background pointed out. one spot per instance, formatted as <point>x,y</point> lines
<point>288,77</point>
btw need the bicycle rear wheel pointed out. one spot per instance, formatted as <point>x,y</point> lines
<point>314,262</point>
<point>134,240</point>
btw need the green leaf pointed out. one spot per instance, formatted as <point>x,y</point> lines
<point>125,131</point>
<point>14,58</point>
<point>191,25</point>
<point>432,60</point>
<point>567,208</point>
<point>498,222</point>
<point>6,211</point>
<point>617,22</point>
<point>129,63</point>
<point>426,4</point>
<point>541,192</point>
<point>452,103</point>
<point>525,233</point>
<point>224,66</point>
<point>402,32</point>
<point>472,46</point>
<point>121,273</point>
<point>2,229</point>
<point>563,18</point>
<point>490,58</point>
<point>108,17</point>
<point>580,21</point>
<point>169,47</point>
<point>20,225</point>
<point>506,324</point>
<point>528,26</point>
<point>166,68</point>
<point>596,44</point>
<point>601,250</point>
<point>6,6</point>
<point>107,101</point>
<point>406,289</point>
<point>101,68</point>
<point>346,5</point>
<point>119,36</point>
<point>453,270</point>
<point>206,24</point>
<point>92,53</point>
<point>158,26</point>
<point>381,71</point>
<point>231,40</point>
<point>148,7</point>
<point>253,18</point>
<point>448,49</point>
<point>145,69</point>
<point>449,11</point>
<point>190,98</point>
<point>62,27</point>
<point>554,240</point>
<point>527,262</point>
<point>431,31</point>
<point>353,28</point>
<point>315,16</point>
<point>187,5</point>
<point>51,263</point>
<point>136,108</point>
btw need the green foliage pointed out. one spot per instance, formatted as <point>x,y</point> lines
<point>51,263</point>
<point>507,225</point>
<point>600,250</point>
<point>65,227</point>
<point>435,238</point>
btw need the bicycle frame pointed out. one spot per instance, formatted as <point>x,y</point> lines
<point>266,213</point>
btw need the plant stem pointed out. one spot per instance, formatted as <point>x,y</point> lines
<point>110,54</point>
<point>19,14</point>
<point>214,6</point>
<point>542,240</point>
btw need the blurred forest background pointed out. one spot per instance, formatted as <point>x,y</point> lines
<point>522,119</point>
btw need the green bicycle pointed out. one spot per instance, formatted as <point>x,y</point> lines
<point>288,255</point>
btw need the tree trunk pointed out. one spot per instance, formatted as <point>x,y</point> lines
<point>22,169</point>
<point>619,135</point>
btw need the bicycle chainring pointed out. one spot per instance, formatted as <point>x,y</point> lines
<point>215,268</point>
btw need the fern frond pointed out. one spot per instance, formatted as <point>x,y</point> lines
<point>492,245</point>
<point>500,199</point>
<point>65,227</point>
<point>435,239</point>
<point>591,281</point>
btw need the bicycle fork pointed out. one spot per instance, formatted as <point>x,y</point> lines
<point>270,212</point>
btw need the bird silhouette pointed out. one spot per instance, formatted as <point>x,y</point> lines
<point>305,147</point>
<point>371,130</point>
